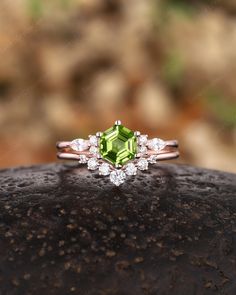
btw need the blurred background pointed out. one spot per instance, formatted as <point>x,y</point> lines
<point>69,68</point>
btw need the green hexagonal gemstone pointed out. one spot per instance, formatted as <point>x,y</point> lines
<point>118,145</point>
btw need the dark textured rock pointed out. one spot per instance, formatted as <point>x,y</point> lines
<point>64,230</point>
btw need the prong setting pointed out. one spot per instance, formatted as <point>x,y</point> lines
<point>118,122</point>
<point>99,134</point>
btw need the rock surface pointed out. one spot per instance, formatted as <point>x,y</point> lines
<point>65,230</point>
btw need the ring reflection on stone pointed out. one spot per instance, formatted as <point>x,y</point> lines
<point>118,152</point>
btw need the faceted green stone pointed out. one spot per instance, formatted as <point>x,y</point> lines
<point>118,145</point>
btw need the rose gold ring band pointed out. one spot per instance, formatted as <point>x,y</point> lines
<point>167,153</point>
<point>76,156</point>
<point>66,144</point>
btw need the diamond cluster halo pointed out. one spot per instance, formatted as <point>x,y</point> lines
<point>118,152</point>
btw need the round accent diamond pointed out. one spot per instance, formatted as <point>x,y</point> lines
<point>142,149</point>
<point>83,159</point>
<point>156,144</point>
<point>152,159</point>
<point>79,144</point>
<point>131,169</point>
<point>143,139</point>
<point>104,169</point>
<point>93,140</point>
<point>93,150</point>
<point>117,177</point>
<point>142,164</point>
<point>93,164</point>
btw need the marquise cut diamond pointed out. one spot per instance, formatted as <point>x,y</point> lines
<point>156,144</point>
<point>79,145</point>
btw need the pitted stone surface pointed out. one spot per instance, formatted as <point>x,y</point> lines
<point>66,230</point>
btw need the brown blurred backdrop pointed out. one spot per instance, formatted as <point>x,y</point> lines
<point>69,68</point>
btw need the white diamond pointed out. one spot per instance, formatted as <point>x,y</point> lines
<point>152,159</point>
<point>117,177</point>
<point>156,144</point>
<point>142,140</point>
<point>131,169</point>
<point>83,159</point>
<point>79,144</point>
<point>93,140</point>
<point>142,149</point>
<point>93,150</point>
<point>142,164</point>
<point>93,164</point>
<point>104,169</point>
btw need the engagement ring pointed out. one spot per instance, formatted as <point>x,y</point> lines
<point>118,152</point>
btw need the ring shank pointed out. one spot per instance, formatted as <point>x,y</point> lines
<point>66,145</point>
<point>160,157</point>
<point>167,153</point>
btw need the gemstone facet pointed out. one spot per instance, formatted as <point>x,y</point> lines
<point>118,145</point>
<point>117,177</point>
<point>104,169</point>
<point>156,144</point>
<point>83,159</point>
<point>131,169</point>
<point>142,164</point>
<point>93,164</point>
<point>152,159</point>
<point>79,144</point>
<point>93,150</point>
<point>143,139</point>
<point>142,149</point>
<point>93,140</point>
